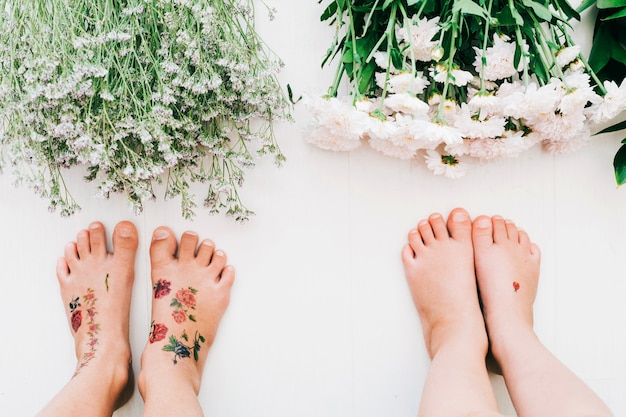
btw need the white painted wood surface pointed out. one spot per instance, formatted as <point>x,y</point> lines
<point>321,323</point>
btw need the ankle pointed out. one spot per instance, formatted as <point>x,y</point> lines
<point>159,374</point>
<point>472,339</point>
<point>505,341</point>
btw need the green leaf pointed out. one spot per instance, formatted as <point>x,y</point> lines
<point>567,9</point>
<point>616,15</point>
<point>540,10</point>
<point>619,165</point>
<point>609,4</point>
<point>329,11</point>
<point>367,75</point>
<point>387,3</point>
<point>201,338</point>
<point>195,355</point>
<point>469,7</point>
<point>505,18</point>
<point>601,50</point>
<point>618,52</point>
<point>519,20</point>
<point>192,317</point>
<point>614,128</point>
<point>175,303</point>
<point>585,5</point>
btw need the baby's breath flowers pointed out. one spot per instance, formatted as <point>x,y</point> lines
<point>459,81</point>
<point>140,92</point>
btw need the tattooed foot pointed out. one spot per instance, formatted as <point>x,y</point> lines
<point>96,288</point>
<point>190,294</point>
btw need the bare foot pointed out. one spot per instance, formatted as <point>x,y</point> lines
<point>507,271</point>
<point>96,289</point>
<point>439,267</point>
<point>190,294</point>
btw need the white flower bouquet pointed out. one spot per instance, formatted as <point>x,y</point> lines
<point>459,81</point>
<point>138,92</point>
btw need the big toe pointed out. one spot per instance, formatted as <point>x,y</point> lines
<point>460,224</point>
<point>125,240</point>
<point>163,246</point>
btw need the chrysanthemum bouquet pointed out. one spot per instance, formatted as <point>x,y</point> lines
<point>139,92</point>
<point>460,80</point>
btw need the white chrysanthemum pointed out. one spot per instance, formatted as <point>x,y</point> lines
<point>416,40</point>
<point>485,103</point>
<point>509,145</point>
<point>532,102</point>
<point>499,59</point>
<point>366,105</point>
<point>572,144</point>
<point>389,148</point>
<point>613,103</point>
<point>382,129</point>
<point>473,127</point>
<point>566,55</point>
<point>382,60</point>
<point>576,100</point>
<point>448,165</point>
<point>407,104</point>
<point>553,126</point>
<point>457,76</point>
<point>403,82</point>
<point>437,132</point>
<point>405,136</point>
<point>339,125</point>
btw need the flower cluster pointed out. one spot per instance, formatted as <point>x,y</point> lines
<point>139,92</point>
<point>459,81</point>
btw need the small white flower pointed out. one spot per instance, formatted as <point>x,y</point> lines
<point>566,55</point>
<point>485,102</point>
<point>407,104</point>
<point>447,165</point>
<point>613,103</point>
<point>473,127</point>
<point>457,76</point>
<point>417,38</point>
<point>437,132</point>
<point>499,60</point>
<point>403,82</point>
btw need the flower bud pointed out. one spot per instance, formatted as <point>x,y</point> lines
<point>437,53</point>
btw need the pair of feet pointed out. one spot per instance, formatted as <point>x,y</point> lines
<point>448,264</point>
<point>191,288</point>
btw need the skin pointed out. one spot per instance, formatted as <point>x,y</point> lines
<point>445,265</point>
<point>103,283</point>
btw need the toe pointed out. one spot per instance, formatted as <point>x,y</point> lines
<point>499,229</point>
<point>425,232</point>
<point>415,238</point>
<point>523,238</point>
<point>228,276</point>
<point>439,226</point>
<point>205,252</point>
<point>511,230</point>
<point>187,248</point>
<point>163,246</point>
<point>125,240</point>
<point>408,254</point>
<point>63,271</point>
<point>459,224</point>
<point>97,239</point>
<point>71,255</point>
<point>218,262</point>
<point>482,232</point>
<point>82,244</point>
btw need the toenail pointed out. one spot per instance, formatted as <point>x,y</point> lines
<point>160,234</point>
<point>94,226</point>
<point>219,253</point>
<point>483,223</point>
<point>459,217</point>
<point>124,232</point>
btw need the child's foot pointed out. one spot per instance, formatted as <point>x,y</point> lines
<point>190,294</point>
<point>439,266</point>
<point>507,271</point>
<point>96,289</point>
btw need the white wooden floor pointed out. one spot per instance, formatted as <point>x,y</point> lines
<point>321,323</point>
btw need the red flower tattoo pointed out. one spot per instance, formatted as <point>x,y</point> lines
<point>77,319</point>
<point>516,285</point>
<point>162,288</point>
<point>186,297</point>
<point>157,332</point>
<point>179,316</point>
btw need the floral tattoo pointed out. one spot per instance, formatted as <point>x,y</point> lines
<point>158,331</point>
<point>181,350</point>
<point>89,301</point>
<point>183,303</point>
<point>77,315</point>
<point>161,288</point>
<point>516,286</point>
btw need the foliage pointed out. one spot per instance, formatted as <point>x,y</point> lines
<point>139,92</point>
